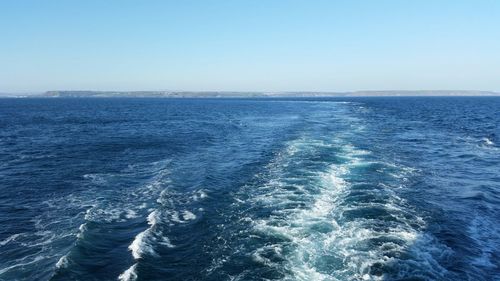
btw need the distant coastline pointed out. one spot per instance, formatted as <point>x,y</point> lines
<point>229,94</point>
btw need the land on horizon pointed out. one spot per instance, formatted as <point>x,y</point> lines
<point>247,94</point>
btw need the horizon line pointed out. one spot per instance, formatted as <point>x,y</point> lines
<point>248,91</point>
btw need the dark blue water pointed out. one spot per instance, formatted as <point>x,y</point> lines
<point>186,189</point>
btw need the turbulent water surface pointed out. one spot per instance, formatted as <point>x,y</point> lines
<point>241,189</point>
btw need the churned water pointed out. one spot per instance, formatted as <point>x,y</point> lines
<point>242,189</point>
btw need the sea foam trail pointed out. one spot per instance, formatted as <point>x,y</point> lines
<point>335,234</point>
<point>327,210</point>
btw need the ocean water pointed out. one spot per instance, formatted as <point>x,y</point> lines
<point>250,189</point>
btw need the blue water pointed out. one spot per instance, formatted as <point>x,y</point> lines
<point>242,189</point>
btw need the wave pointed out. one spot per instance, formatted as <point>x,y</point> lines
<point>487,141</point>
<point>168,212</point>
<point>326,223</point>
<point>483,233</point>
<point>62,262</point>
<point>129,274</point>
<point>144,241</point>
<point>115,206</point>
<point>36,246</point>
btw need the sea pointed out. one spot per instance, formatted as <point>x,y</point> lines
<point>378,188</point>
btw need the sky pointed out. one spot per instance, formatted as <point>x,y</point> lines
<point>252,45</point>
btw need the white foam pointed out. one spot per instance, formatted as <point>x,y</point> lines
<point>174,216</point>
<point>81,230</point>
<point>487,141</point>
<point>31,259</point>
<point>153,218</point>
<point>198,195</point>
<point>140,246</point>
<point>187,215</point>
<point>98,179</point>
<point>130,214</point>
<point>166,242</point>
<point>144,241</point>
<point>62,262</point>
<point>108,214</point>
<point>9,239</point>
<point>129,274</point>
<point>317,225</point>
<point>56,230</point>
<point>144,244</point>
<point>181,217</point>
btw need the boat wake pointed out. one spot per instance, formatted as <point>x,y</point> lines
<point>326,210</point>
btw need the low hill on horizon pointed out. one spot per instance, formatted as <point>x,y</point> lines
<point>226,94</point>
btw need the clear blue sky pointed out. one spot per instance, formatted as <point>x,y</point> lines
<point>267,45</point>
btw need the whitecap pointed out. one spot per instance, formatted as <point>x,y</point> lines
<point>140,245</point>
<point>62,262</point>
<point>129,275</point>
<point>144,241</point>
<point>487,141</point>
<point>187,215</point>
